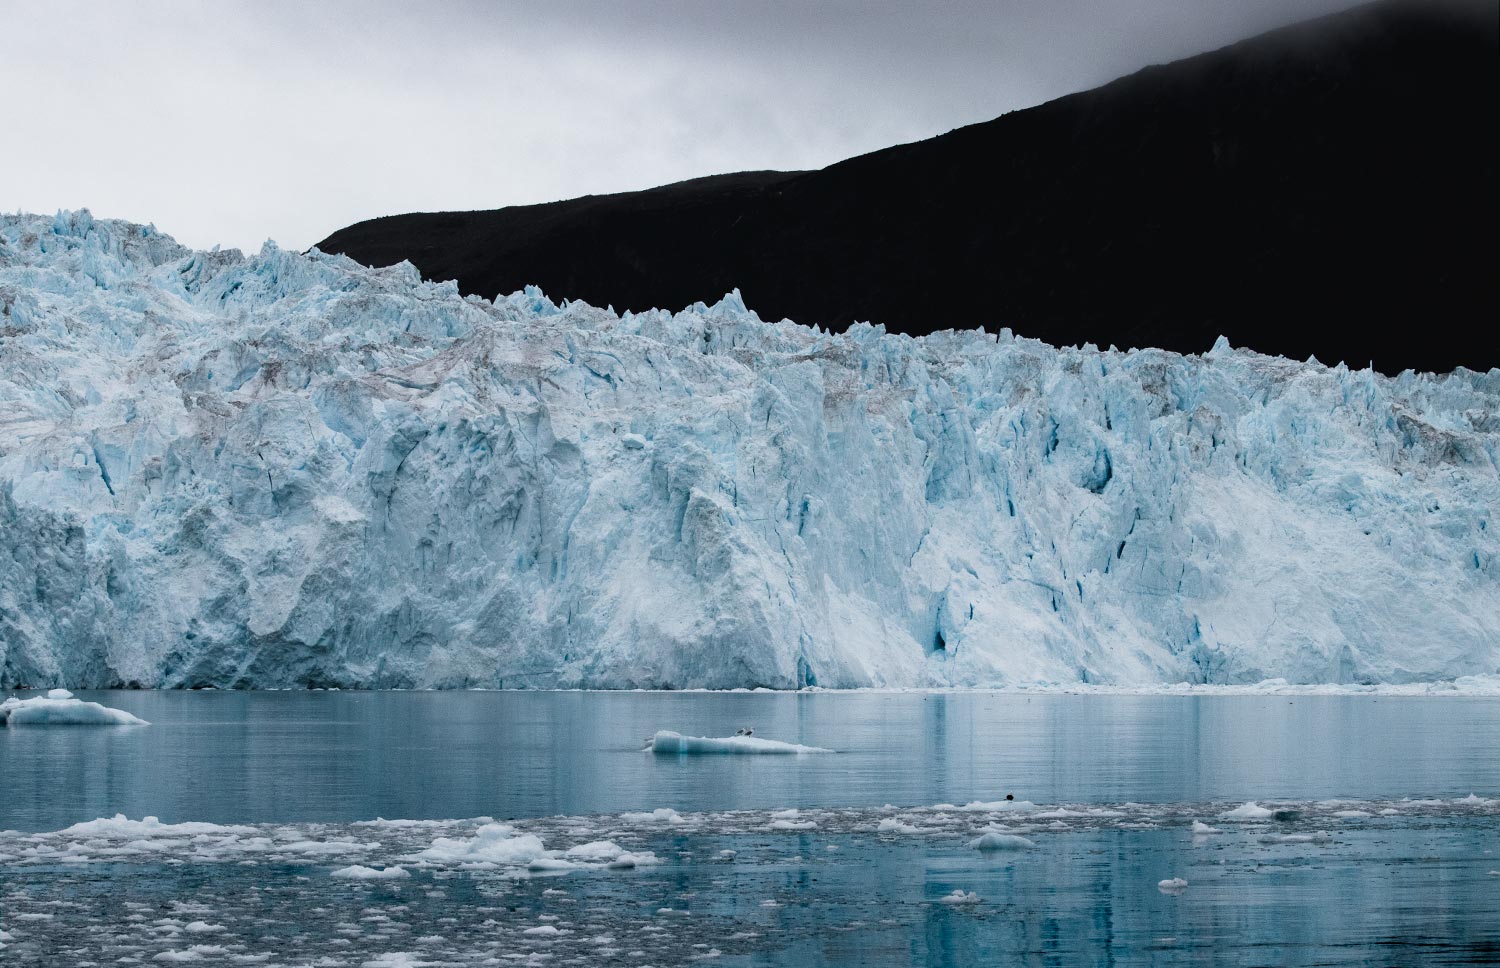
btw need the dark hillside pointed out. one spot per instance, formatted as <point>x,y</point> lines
<point>1326,189</point>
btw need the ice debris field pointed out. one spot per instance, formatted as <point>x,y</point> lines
<point>663,887</point>
<point>287,470</point>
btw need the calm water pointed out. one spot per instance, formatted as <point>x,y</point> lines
<point>1401,874</point>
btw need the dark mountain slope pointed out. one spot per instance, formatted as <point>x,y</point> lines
<point>1327,189</point>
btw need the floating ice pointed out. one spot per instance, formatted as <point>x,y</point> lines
<point>1248,811</point>
<point>197,952</point>
<point>1318,837</point>
<point>121,827</point>
<point>358,872</point>
<point>666,742</point>
<point>1201,829</point>
<point>960,897</point>
<point>659,815</point>
<point>59,708</point>
<point>494,843</point>
<point>993,841</point>
<point>205,452</point>
<point>991,806</point>
<point>1172,885</point>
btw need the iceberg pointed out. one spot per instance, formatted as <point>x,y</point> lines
<point>59,708</point>
<point>993,841</point>
<point>666,742</point>
<point>285,470</point>
<point>358,872</point>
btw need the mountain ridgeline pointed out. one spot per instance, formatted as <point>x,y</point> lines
<point>1326,189</point>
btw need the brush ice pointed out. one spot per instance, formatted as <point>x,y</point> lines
<point>289,470</point>
<point>59,708</point>
<point>667,742</point>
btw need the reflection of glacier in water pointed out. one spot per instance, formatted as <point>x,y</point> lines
<point>289,470</point>
<point>1309,829</point>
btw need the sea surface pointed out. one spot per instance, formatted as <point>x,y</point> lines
<point>1374,836</point>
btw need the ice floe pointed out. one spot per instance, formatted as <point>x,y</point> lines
<point>1248,811</point>
<point>993,841</point>
<point>667,742</point>
<point>358,872</point>
<point>59,707</point>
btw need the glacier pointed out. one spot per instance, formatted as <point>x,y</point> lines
<point>287,470</point>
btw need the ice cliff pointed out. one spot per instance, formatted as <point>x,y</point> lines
<point>284,470</point>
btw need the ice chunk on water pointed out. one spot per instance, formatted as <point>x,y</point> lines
<point>667,742</point>
<point>1248,811</point>
<point>991,806</point>
<point>59,708</point>
<point>1318,837</point>
<point>1172,885</point>
<point>659,815</point>
<point>960,897</point>
<point>1201,829</point>
<point>121,827</point>
<point>993,841</point>
<point>358,872</point>
<point>493,843</point>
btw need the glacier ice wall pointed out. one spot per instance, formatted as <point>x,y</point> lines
<point>285,469</point>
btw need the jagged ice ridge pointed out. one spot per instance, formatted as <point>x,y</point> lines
<point>291,470</point>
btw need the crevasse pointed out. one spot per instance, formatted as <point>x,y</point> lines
<point>291,470</point>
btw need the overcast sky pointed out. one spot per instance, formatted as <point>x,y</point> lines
<point>234,122</point>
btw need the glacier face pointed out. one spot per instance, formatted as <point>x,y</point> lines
<point>290,470</point>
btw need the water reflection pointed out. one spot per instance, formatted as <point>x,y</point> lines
<point>1404,890</point>
<point>345,756</point>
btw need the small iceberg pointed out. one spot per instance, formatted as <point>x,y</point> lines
<point>358,872</point>
<point>59,708</point>
<point>667,742</point>
<point>1172,885</point>
<point>1249,811</point>
<point>995,841</point>
<point>960,897</point>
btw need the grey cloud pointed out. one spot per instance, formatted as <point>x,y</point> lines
<point>233,122</point>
